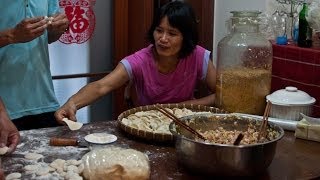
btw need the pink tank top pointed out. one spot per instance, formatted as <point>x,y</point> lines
<point>154,87</point>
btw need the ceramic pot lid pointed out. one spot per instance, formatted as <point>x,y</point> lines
<point>290,96</point>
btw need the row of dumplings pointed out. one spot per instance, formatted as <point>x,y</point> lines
<point>154,121</point>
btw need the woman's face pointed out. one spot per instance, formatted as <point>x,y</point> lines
<point>168,40</point>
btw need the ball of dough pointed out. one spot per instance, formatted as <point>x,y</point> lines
<point>33,156</point>
<point>13,176</point>
<point>32,167</point>
<point>116,163</point>
<point>4,150</point>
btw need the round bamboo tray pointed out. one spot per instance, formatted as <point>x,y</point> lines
<point>159,137</point>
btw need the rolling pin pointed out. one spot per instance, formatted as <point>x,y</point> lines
<point>64,142</point>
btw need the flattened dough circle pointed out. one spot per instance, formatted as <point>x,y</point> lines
<point>100,138</point>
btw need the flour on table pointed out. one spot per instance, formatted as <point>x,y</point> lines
<point>100,138</point>
<point>4,150</point>
<point>13,176</point>
<point>37,142</point>
<point>33,156</point>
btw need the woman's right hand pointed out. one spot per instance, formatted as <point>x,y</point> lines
<point>68,110</point>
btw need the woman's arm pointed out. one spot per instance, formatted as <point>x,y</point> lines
<point>93,91</point>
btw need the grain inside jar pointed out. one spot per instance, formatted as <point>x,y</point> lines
<point>243,89</point>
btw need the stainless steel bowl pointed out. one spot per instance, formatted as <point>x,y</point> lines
<point>223,159</point>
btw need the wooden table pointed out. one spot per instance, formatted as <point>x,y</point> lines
<point>294,159</point>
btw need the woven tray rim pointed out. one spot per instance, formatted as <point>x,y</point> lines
<point>159,137</point>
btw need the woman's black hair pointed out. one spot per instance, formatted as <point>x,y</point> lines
<point>181,16</point>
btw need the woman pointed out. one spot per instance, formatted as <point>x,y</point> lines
<point>166,71</point>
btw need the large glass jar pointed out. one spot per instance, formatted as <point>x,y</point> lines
<point>244,66</point>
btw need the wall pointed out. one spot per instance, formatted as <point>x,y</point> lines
<point>70,59</point>
<point>101,56</point>
<point>90,57</point>
<point>298,67</point>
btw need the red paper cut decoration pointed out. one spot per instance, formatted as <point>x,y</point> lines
<point>82,20</point>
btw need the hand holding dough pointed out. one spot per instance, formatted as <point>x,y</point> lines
<point>72,125</point>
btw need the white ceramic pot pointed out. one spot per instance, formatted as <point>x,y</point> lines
<point>288,103</point>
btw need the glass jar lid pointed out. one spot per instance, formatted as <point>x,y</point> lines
<point>290,96</point>
<point>245,13</point>
<point>248,19</point>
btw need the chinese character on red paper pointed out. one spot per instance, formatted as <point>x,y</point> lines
<point>81,18</point>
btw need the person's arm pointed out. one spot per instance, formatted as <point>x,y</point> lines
<point>6,37</point>
<point>211,83</point>
<point>9,134</point>
<point>91,92</point>
<point>58,26</point>
<point>27,30</point>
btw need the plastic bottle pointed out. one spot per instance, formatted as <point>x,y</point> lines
<point>296,31</point>
<point>279,27</point>
<point>305,31</point>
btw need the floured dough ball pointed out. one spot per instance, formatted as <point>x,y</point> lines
<point>33,156</point>
<point>4,150</point>
<point>48,19</point>
<point>43,171</point>
<point>116,163</point>
<point>13,176</point>
<point>33,167</point>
